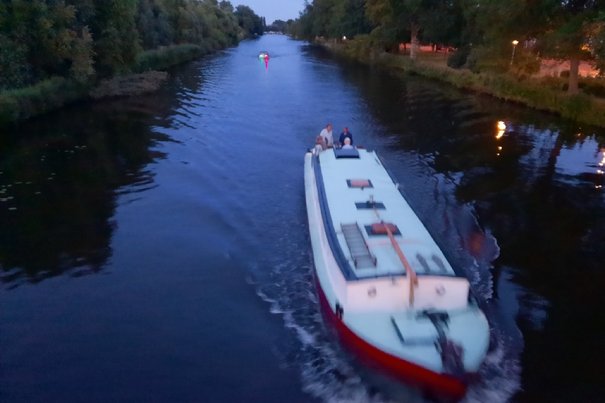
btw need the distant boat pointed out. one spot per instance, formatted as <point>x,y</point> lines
<point>383,282</point>
<point>263,54</point>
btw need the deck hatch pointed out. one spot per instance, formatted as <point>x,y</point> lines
<point>359,183</point>
<point>346,153</point>
<point>378,229</point>
<point>369,205</point>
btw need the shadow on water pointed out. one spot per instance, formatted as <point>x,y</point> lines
<point>60,176</point>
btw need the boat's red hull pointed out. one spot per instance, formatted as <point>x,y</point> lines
<point>436,384</point>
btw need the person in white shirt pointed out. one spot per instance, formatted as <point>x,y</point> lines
<point>326,133</point>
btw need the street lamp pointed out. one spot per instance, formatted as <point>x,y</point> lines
<point>515,43</point>
<point>501,128</point>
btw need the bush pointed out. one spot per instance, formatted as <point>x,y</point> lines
<point>9,109</point>
<point>544,94</point>
<point>575,106</point>
<point>553,83</point>
<point>15,71</point>
<point>593,86</point>
<point>487,59</point>
<point>37,99</point>
<point>458,59</point>
<point>361,47</point>
<point>166,56</point>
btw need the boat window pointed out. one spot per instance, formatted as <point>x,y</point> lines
<point>439,263</point>
<point>379,229</point>
<point>423,263</point>
<point>369,205</point>
<point>359,183</point>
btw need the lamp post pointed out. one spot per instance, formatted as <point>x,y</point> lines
<point>515,43</point>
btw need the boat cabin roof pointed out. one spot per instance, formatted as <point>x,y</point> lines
<point>358,190</point>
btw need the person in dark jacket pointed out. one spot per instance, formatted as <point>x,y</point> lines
<point>345,134</point>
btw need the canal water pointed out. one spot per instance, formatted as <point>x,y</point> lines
<point>156,248</point>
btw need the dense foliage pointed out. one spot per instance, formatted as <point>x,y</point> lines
<point>482,30</point>
<point>280,26</point>
<point>82,40</point>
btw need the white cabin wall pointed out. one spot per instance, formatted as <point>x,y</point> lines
<point>441,292</point>
<point>391,293</point>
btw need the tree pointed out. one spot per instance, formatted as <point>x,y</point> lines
<point>597,41</point>
<point>445,24</point>
<point>395,20</point>
<point>560,29</point>
<point>153,24</point>
<point>251,23</point>
<point>41,39</point>
<point>568,31</point>
<point>278,26</point>
<point>490,28</point>
<point>116,36</point>
<point>349,18</point>
<point>303,26</point>
<point>226,6</point>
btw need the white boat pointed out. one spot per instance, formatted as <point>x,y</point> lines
<point>386,286</point>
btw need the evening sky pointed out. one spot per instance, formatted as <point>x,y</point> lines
<point>274,9</point>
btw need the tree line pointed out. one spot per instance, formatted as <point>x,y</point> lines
<point>483,32</point>
<point>84,40</point>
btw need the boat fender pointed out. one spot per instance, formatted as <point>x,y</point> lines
<point>339,311</point>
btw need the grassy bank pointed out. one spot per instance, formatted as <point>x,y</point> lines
<point>531,92</point>
<point>168,56</point>
<point>37,99</point>
<point>54,93</point>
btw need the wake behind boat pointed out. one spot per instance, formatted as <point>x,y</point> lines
<point>383,281</point>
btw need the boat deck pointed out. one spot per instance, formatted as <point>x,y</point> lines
<point>388,287</point>
<point>359,193</point>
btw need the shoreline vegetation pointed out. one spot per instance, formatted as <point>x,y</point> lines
<point>148,75</point>
<point>56,53</point>
<point>57,92</point>
<point>512,50</point>
<point>528,91</point>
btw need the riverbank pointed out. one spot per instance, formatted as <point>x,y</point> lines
<point>57,92</point>
<point>531,92</point>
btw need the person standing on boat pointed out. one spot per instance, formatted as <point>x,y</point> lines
<point>344,135</point>
<point>327,135</point>
<point>320,145</point>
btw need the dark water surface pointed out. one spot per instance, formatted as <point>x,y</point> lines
<point>156,248</point>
